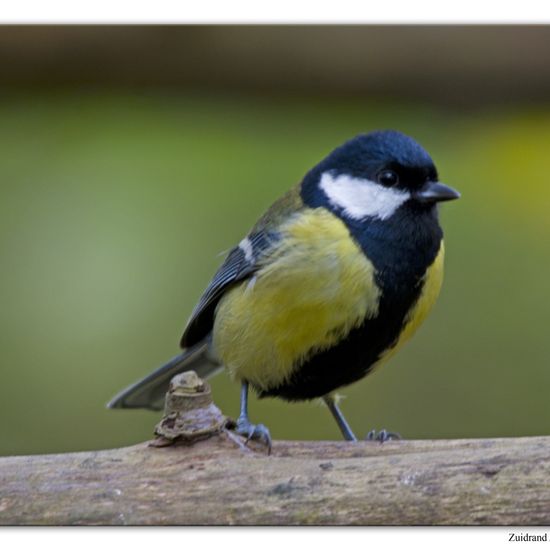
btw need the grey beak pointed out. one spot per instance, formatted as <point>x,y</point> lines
<point>435,191</point>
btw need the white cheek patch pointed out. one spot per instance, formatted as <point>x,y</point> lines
<point>362,198</point>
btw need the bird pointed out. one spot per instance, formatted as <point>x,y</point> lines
<point>326,286</point>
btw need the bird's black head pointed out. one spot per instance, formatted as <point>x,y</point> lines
<point>372,175</point>
<point>389,158</point>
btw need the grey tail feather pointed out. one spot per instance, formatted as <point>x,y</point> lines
<point>148,393</point>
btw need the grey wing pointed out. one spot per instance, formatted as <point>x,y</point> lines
<point>240,264</point>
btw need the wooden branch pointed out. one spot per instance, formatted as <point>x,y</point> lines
<point>206,476</point>
<point>215,481</point>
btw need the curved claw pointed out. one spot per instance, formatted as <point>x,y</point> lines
<point>259,432</point>
<point>382,435</point>
<point>254,432</point>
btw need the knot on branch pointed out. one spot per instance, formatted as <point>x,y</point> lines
<point>189,412</point>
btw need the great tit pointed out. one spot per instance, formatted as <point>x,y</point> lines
<point>331,280</point>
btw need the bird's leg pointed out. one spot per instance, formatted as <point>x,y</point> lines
<point>245,428</point>
<point>339,417</point>
<point>373,435</point>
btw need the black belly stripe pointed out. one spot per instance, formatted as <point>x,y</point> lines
<point>401,250</point>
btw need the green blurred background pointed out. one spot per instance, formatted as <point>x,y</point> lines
<point>131,157</point>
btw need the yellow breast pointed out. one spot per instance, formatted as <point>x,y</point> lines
<point>309,292</point>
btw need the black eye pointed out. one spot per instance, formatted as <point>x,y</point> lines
<point>388,178</point>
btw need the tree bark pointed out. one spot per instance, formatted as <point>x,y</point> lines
<point>219,481</point>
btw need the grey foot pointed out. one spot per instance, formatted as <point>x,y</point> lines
<point>254,432</point>
<point>382,435</point>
